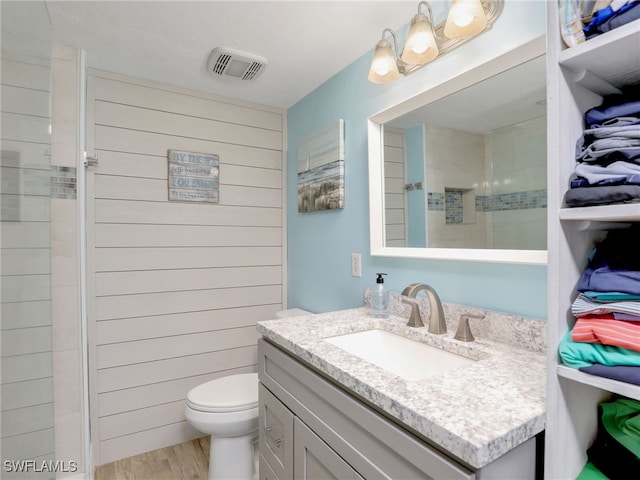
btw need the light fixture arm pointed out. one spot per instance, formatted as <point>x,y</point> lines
<point>395,40</point>
<point>426,4</point>
<point>396,52</point>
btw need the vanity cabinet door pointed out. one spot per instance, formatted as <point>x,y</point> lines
<point>315,460</point>
<point>264,470</point>
<point>275,433</point>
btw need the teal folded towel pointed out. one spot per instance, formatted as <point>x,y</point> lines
<point>610,296</point>
<point>578,354</point>
<point>591,472</point>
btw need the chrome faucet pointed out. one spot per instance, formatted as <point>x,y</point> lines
<point>437,323</point>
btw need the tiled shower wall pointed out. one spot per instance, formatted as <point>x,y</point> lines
<point>455,160</point>
<point>506,171</point>
<point>519,182</point>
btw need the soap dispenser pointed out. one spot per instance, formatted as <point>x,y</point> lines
<point>379,298</point>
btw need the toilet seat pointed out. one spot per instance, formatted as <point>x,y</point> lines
<point>233,393</point>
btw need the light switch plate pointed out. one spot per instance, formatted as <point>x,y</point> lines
<point>356,267</point>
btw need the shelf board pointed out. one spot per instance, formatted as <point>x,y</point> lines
<point>613,56</point>
<point>626,389</point>
<point>627,212</point>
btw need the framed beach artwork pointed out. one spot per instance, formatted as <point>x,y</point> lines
<point>321,169</point>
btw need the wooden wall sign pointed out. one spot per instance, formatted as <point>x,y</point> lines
<point>193,177</point>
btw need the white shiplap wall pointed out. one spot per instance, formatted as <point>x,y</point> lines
<point>176,287</point>
<point>395,201</point>
<point>25,327</point>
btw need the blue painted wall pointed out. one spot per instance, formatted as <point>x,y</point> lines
<point>320,243</point>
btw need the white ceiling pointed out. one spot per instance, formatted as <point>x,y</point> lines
<point>513,96</point>
<point>304,42</point>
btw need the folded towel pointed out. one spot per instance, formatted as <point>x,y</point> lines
<point>591,472</point>
<point>616,449</point>
<point>607,331</point>
<point>578,355</point>
<point>583,305</point>
<point>622,373</point>
<point>606,297</point>
<point>613,106</point>
<point>602,195</point>
<point>622,420</point>
<point>606,278</point>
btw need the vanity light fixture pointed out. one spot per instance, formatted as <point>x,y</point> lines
<point>384,67</point>
<point>465,20</point>
<point>421,46</point>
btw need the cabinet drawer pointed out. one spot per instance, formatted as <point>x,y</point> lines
<point>275,434</point>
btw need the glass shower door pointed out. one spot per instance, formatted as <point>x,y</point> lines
<point>26,380</point>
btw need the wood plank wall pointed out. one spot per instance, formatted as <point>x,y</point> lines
<point>25,327</point>
<point>177,287</point>
<point>394,180</point>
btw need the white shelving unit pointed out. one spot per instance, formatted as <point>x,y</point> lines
<point>613,386</point>
<point>578,78</point>
<point>605,213</point>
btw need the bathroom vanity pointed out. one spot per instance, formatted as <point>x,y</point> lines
<point>327,413</point>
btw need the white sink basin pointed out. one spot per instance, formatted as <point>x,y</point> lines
<point>402,356</point>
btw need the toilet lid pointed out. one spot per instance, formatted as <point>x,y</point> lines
<point>226,394</point>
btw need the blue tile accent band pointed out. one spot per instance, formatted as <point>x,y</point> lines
<point>489,203</point>
<point>519,200</point>
<point>483,203</point>
<point>63,182</point>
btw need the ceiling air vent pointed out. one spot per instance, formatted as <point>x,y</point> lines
<point>234,64</point>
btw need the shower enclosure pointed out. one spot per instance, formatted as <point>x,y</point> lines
<point>27,376</point>
<point>26,383</point>
<point>44,431</point>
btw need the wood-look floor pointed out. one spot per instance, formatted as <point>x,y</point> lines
<point>189,460</point>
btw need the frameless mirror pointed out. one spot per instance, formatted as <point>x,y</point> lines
<point>460,171</point>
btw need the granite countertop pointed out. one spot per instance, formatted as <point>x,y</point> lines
<point>477,412</point>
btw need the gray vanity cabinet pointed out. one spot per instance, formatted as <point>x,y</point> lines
<point>310,457</point>
<point>330,434</point>
<point>315,460</point>
<point>275,434</point>
<point>265,472</point>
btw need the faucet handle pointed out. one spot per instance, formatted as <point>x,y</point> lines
<point>464,332</point>
<point>415,319</point>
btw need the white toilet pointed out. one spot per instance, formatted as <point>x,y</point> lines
<point>227,409</point>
